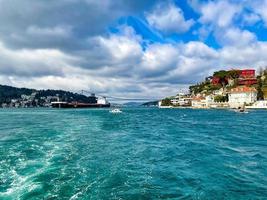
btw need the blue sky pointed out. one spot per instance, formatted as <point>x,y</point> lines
<point>128,48</point>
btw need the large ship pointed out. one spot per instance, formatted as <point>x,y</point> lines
<point>93,102</point>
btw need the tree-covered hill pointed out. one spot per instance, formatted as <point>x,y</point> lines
<point>7,93</point>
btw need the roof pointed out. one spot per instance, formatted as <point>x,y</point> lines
<point>243,89</point>
<point>198,98</point>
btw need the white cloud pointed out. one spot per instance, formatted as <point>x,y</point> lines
<point>252,55</point>
<point>260,8</point>
<point>158,59</point>
<point>219,13</point>
<point>124,68</point>
<point>251,19</point>
<point>60,53</point>
<point>37,62</point>
<point>169,19</point>
<point>236,37</point>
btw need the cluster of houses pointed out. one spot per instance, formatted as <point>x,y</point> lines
<point>28,101</point>
<point>243,94</point>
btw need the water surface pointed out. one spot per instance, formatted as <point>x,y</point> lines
<point>139,154</point>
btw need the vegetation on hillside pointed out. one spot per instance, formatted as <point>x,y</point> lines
<point>7,93</point>
<point>224,82</point>
<point>221,98</point>
<point>205,86</point>
<point>166,102</point>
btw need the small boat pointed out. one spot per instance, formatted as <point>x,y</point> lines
<point>241,110</point>
<point>116,110</point>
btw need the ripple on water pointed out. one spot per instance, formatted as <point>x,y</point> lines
<point>141,154</point>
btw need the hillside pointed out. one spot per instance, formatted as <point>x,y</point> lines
<point>33,97</point>
<point>231,79</point>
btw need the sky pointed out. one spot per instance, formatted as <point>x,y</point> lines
<point>128,48</point>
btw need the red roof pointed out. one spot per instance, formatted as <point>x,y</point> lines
<point>242,89</point>
<point>198,98</point>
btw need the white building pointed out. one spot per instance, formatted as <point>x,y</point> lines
<point>199,102</point>
<point>258,105</point>
<point>181,100</point>
<point>242,95</point>
<point>219,92</point>
<point>175,101</point>
<point>209,100</point>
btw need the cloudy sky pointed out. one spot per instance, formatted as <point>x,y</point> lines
<point>129,48</point>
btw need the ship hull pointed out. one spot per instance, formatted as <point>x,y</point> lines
<point>79,105</point>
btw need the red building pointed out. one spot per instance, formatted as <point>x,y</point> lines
<point>215,80</point>
<point>247,77</point>
<point>247,73</point>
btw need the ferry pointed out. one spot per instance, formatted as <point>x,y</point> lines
<point>93,102</point>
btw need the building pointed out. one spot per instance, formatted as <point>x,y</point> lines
<point>215,80</point>
<point>185,101</point>
<point>181,100</point>
<point>258,105</point>
<point>199,102</point>
<point>247,73</point>
<point>247,77</point>
<point>221,91</point>
<point>241,96</point>
<point>175,101</point>
<point>209,100</point>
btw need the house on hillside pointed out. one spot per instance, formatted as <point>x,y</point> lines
<point>242,95</point>
<point>215,80</point>
<point>244,77</point>
<point>247,77</point>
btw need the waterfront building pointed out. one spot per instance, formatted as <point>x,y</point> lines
<point>199,102</point>
<point>185,101</point>
<point>175,101</point>
<point>242,95</point>
<point>258,105</point>
<point>209,100</point>
<point>181,100</point>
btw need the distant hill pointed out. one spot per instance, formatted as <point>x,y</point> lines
<point>150,103</point>
<point>7,93</point>
<point>133,104</point>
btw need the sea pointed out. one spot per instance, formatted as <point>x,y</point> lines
<point>141,153</point>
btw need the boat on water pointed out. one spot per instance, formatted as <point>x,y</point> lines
<point>93,102</point>
<point>116,110</point>
<point>241,109</point>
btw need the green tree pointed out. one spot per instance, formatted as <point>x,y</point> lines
<point>220,98</point>
<point>234,74</point>
<point>166,102</point>
<point>222,75</point>
<point>260,94</point>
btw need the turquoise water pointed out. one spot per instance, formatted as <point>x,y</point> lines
<point>139,154</point>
